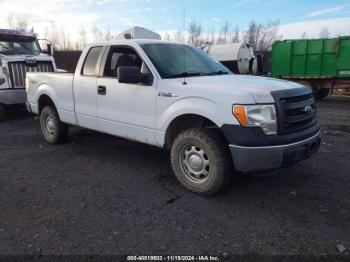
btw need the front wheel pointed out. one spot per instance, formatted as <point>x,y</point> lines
<point>201,161</point>
<point>53,130</point>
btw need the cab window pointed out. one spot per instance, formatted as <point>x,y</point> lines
<point>89,68</point>
<point>122,56</point>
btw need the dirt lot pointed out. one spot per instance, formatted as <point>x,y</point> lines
<point>98,194</point>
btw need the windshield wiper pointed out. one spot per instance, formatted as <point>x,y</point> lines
<point>220,72</point>
<point>185,74</point>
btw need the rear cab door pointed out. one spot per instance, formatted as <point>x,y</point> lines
<point>85,87</point>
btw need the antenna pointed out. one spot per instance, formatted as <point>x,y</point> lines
<point>183,43</point>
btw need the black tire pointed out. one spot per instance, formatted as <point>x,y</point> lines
<point>321,93</point>
<point>2,112</point>
<point>53,130</point>
<point>213,154</point>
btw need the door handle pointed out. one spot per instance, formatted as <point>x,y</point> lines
<point>101,90</point>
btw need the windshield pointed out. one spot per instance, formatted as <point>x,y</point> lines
<point>11,45</point>
<point>175,60</point>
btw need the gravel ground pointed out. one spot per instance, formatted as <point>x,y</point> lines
<point>97,194</point>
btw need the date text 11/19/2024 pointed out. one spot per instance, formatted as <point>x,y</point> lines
<point>173,258</point>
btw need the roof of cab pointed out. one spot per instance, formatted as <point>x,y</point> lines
<point>16,32</point>
<point>137,41</point>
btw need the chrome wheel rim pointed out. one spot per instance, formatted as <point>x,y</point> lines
<point>195,163</point>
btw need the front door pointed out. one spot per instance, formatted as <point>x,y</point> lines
<point>126,110</point>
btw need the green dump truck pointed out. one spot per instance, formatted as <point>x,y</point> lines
<point>323,64</point>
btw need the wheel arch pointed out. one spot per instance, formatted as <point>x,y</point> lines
<point>45,100</point>
<point>184,122</point>
<point>45,93</point>
<point>191,112</point>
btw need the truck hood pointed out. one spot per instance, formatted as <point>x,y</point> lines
<point>259,88</point>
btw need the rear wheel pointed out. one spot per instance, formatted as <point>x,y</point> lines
<point>321,93</point>
<point>2,112</point>
<point>201,161</point>
<point>53,130</point>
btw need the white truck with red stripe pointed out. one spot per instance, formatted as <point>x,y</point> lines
<point>176,97</point>
<point>20,53</point>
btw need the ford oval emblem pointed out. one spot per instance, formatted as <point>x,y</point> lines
<point>308,109</point>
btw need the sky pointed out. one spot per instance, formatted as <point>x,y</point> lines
<point>295,16</point>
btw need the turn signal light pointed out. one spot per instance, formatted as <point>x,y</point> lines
<point>240,114</point>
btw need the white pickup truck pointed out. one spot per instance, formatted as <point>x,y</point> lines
<point>174,96</point>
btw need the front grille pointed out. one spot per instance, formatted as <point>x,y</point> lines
<point>295,113</point>
<point>18,71</point>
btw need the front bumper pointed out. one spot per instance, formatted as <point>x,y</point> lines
<point>264,158</point>
<point>13,96</point>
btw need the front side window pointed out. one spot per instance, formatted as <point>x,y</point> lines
<point>121,56</point>
<point>10,45</point>
<point>91,61</point>
<point>176,60</point>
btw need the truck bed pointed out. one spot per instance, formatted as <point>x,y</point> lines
<point>58,86</point>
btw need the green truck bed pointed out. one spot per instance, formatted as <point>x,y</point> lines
<point>314,58</point>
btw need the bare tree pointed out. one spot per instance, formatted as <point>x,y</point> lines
<point>52,35</point>
<point>98,34</point>
<point>65,41</point>
<point>19,23</point>
<point>11,21</point>
<point>22,23</point>
<point>324,32</point>
<point>59,38</point>
<point>108,35</point>
<point>179,36</point>
<point>225,30</point>
<point>223,36</point>
<point>82,39</point>
<point>253,34</point>
<point>207,36</point>
<point>101,34</point>
<point>269,35</point>
<point>166,36</point>
<point>212,35</point>
<point>195,31</point>
<point>260,36</point>
<point>235,38</point>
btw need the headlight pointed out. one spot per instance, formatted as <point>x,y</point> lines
<point>263,116</point>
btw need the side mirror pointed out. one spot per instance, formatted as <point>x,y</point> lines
<point>50,49</point>
<point>133,75</point>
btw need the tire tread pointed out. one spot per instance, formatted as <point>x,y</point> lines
<point>62,132</point>
<point>213,140</point>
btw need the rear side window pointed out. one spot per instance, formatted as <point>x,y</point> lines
<point>91,60</point>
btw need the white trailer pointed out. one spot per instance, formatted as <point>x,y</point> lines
<point>238,57</point>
